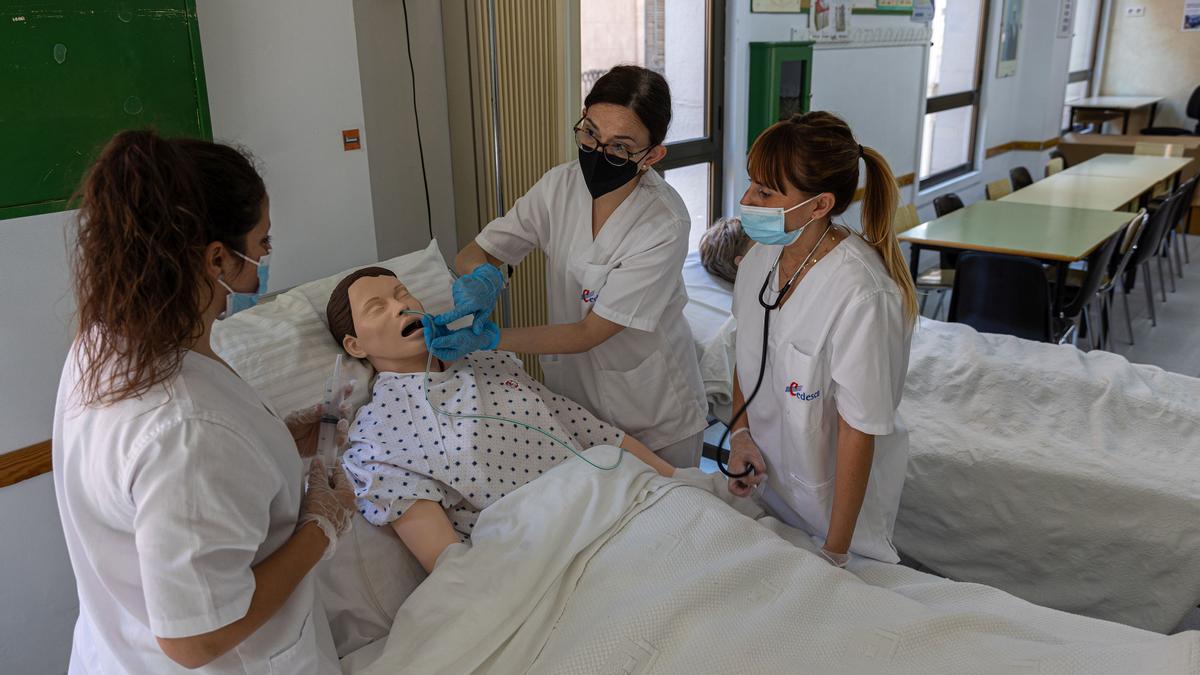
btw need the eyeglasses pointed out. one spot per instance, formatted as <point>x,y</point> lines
<point>617,154</point>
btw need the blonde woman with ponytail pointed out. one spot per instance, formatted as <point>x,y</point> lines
<point>825,316</point>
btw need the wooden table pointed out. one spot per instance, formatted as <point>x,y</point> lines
<point>1106,193</point>
<point>1115,105</point>
<point>1052,234</point>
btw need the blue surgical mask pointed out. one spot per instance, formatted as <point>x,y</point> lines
<point>237,301</point>
<point>766,225</point>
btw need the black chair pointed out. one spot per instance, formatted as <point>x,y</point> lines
<point>946,203</point>
<point>1182,222</point>
<point>1149,245</point>
<point>1116,277</point>
<point>1002,294</point>
<point>1192,110</point>
<point>942,205</point>
<point>1077,301</point>
<point>1019,177</point>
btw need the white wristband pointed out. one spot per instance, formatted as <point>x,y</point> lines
<point>732,436</point>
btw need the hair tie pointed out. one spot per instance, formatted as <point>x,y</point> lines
<point>860,150</point>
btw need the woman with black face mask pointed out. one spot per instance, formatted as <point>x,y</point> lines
<point>615,236</point>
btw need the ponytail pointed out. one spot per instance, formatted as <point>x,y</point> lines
<point>148,208</point>
<point>878,212</point>
<point>816,152</point>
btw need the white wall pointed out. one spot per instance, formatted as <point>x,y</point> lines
<point>397,184</point>
<point>875,89</point>
<point>1149,55</point>
<point>1024,107</point>
<point>37,592</point>
<point>283,81</point>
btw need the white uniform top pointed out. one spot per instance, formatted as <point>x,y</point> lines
<point>839,345</point>
<point>646,378</point>
<point>166,501</point>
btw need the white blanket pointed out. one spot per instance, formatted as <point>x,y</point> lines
<point>583,571</point>
<point>1069,479</point>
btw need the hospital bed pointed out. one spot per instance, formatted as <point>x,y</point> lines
<point>628,570</point>
<point>1069,479</point>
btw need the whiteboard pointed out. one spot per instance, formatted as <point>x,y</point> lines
<point>877,90</point>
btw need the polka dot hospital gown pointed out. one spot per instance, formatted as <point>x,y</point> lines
<point>401,450</point>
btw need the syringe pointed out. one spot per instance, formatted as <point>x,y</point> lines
<point>335,392</point>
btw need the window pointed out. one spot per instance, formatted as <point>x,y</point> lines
<point>952,94</point>
<point>1084,39</point>
<point>672,38</point>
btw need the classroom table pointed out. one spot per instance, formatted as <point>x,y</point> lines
<point>1146,167</point>
<point>1106,193</point>
<point>1054,235</point>
<point>1115,105</point>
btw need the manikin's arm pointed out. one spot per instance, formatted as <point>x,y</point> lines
<point>425,529</point>
<point>637,449</point>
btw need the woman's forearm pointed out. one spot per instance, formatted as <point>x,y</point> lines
<point>275,578</point>
<point>855,451</point>
<point>471,256</point>
<point>738,401</point>
<point>564,338</point>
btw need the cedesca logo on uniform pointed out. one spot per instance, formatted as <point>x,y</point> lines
<point>589,296</point>
<point>796,390</point>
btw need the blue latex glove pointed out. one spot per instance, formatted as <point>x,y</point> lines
<point>475,293</point>
<point>463,341</point>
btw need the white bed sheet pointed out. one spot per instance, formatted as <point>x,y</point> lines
<point>585,571</point>
<point>1069,479</point>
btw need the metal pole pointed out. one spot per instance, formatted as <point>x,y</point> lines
<point>505,309</point>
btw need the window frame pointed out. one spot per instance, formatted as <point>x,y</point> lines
<point>962,99</point>
<point>710,148</point>
<point>1088,74</point>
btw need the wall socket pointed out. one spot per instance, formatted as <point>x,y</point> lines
<point>1135,10</point>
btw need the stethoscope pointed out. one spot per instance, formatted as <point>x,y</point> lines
<point>768,307</point>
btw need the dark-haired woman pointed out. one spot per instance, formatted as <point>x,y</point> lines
<point>615,236</point>
<point>181,492</point>
<point>822,433</point>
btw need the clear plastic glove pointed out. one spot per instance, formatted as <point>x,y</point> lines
<point>463,341</point>
<point>475,293</point>
<point>328,502</point>
<point>744,452</point>
<point>305,425</point>
<point>835,559</point>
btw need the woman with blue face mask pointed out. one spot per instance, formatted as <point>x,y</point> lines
<point>189,517</point>
<point>825,317</point>
<point>615,235</point>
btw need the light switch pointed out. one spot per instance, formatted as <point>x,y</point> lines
<point>351,140</point>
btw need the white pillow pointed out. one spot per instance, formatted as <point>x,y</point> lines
<point>284,350</point>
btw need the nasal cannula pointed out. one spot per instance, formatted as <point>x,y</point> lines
<point>496,418</point>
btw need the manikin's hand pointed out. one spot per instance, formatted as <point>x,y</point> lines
<point>743,453</point>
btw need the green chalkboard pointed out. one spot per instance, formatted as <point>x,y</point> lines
<point>74,72</point>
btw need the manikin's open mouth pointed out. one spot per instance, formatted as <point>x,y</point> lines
<point>412,327</point>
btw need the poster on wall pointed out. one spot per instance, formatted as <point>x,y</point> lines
<point>1191,16</point>
<point>1010,32</point>
<point>829,20</point>
<point>922,11</point>
<point>1066,18</point>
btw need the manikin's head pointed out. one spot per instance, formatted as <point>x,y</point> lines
<point>366,314</point>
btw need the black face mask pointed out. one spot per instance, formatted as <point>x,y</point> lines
<point>601,177</point>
